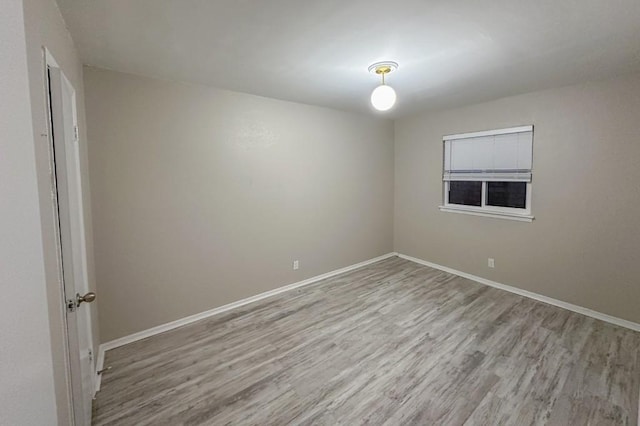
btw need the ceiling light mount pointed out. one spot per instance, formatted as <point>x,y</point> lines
<point>384,67</point>
<point>383,97</point>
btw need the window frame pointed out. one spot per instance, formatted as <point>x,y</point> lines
<point>488,210</point>
<point>511,213</point>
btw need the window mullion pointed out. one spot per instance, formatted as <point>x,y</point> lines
<point>484,195</point>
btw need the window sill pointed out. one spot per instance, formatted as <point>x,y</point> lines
<point>487,213</point>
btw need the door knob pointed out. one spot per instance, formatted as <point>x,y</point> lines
<point>88,298</point>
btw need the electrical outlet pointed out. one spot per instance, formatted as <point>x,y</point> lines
<point>492,263</point>
<point>296,265</point>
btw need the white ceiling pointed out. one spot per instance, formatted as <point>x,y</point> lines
<point>451,52</point>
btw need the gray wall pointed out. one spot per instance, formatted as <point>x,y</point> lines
<point>584,243</point>
<point>202,197</point>
<point>26,368</point>
<point>44,26</point>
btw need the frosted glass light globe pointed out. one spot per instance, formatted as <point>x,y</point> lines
<point>383,97</point>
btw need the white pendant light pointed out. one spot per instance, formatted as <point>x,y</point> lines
<point>383,97</point>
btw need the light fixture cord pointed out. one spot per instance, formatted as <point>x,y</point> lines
<point>383,78</point>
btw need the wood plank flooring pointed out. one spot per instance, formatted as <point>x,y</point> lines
<point>392,343</point>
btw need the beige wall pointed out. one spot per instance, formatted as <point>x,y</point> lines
<point>584,243</point>
<point>45,27</point>
<point>202,197</point>
<point>26,368</point>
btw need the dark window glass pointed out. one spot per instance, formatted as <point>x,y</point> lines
<point>466,193</point>
<point>507,194</point>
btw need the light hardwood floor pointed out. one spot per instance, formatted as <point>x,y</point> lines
<point>391,343</point>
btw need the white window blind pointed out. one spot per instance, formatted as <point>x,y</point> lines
<point>503,155</point>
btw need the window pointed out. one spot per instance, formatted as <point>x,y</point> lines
<point>489,173</point>
<point>465,193</point>
<point>507,194</point>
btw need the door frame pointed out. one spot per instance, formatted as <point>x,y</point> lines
<point>78,246</point>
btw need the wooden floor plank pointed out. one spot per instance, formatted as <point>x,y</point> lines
<point>390,343</point>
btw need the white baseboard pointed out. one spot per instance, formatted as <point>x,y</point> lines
<point>202,315</point>
<point>197,317</point>
<point>551,301</point>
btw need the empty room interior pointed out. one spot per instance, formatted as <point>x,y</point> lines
<point>284,212</point>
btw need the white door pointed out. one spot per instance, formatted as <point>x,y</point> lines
<point>66,165</point>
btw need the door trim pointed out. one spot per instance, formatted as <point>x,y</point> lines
<point>71,203</point>
<point>64,402</point>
